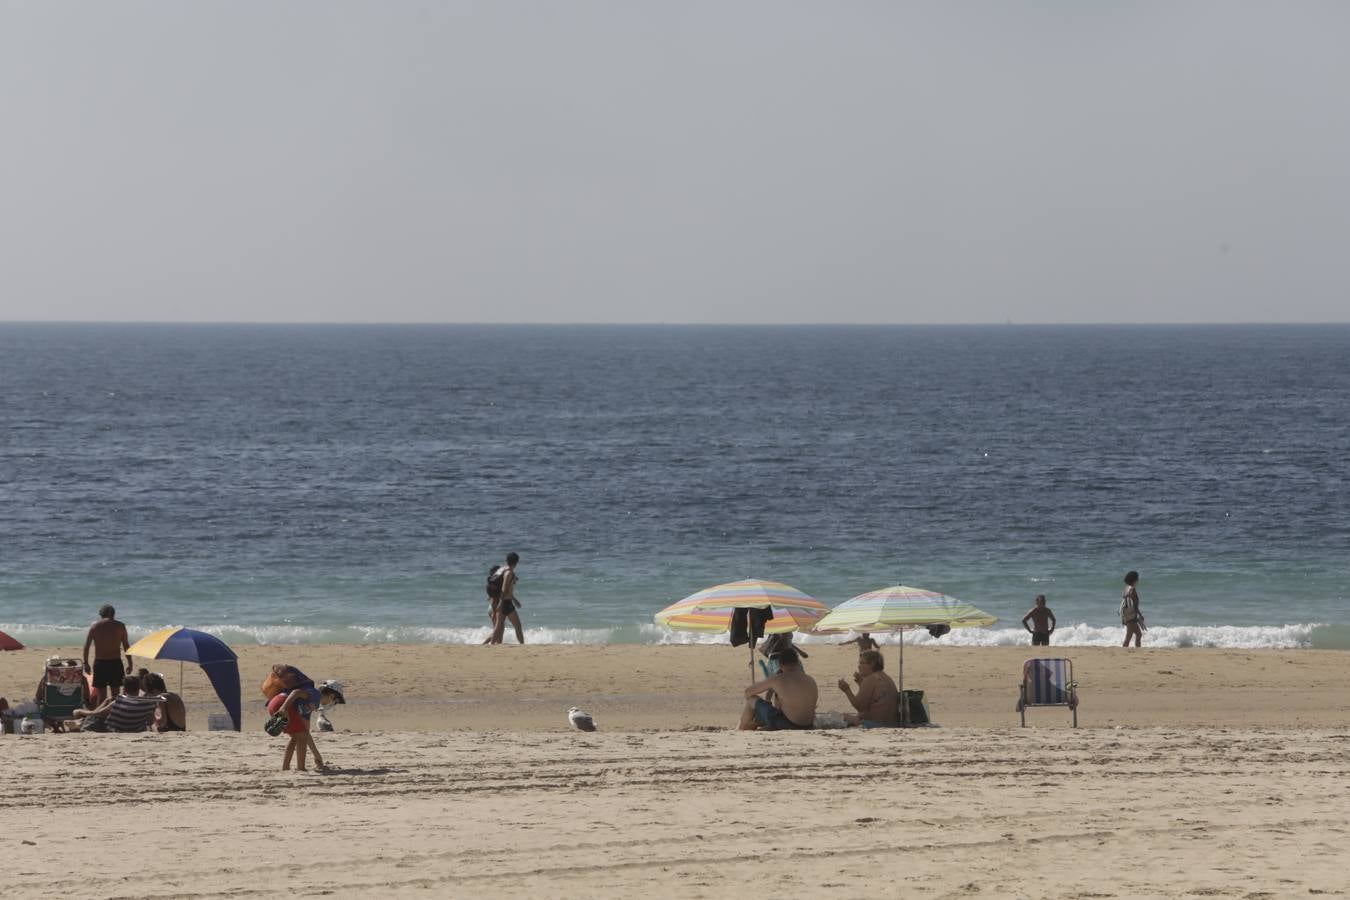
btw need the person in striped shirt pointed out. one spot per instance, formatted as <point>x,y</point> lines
<point>127,712</point>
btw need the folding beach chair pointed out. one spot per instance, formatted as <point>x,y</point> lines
<point>1048,682</point>
<point>62,691</point>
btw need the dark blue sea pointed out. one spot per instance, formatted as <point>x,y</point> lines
<point>355,483</point>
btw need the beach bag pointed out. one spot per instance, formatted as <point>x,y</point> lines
<point>494,582</point>
<point>277,724</point>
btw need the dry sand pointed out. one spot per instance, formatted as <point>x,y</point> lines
<point>1196,773</point>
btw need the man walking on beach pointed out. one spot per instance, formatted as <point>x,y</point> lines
<point>507,604</point>
<point>1040,621</point>
<point>795,693</point>
<point>109,639</point>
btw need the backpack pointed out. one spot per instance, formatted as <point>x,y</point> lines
<point>494,582</point>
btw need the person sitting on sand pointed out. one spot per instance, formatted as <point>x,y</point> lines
<point>795,695</point>
<point>877,700</point>
<point>1040,621</point>
<point>864,642</point>
<point>172,712</point>
<point>125,713</point>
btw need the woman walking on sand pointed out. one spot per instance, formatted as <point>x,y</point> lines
<point>1130,616</point>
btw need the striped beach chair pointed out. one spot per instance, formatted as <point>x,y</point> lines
<point>1048,682</point>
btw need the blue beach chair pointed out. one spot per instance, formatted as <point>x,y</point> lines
<point>1048,682</point>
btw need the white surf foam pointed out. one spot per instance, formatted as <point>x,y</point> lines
<point>1243,637</point>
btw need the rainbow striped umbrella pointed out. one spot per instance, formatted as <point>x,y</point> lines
<point>899,609</point>
<point>710,610</point>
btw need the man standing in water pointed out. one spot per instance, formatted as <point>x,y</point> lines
<point>1040,621</point>
<point>507,605</point>
<point>109,639</point>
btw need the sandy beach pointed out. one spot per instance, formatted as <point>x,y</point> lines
<point>1195,772</point>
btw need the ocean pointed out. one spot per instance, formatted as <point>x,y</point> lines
<point>355,483</point>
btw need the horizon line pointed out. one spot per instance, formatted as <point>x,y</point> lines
<point>664,324</point>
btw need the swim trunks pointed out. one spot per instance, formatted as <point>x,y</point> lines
<point>771,718</point>
<point>505,606</point>
<point>108,673</point>
<point>1040,639</point>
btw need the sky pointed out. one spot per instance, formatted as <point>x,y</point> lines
<point>631,161</point>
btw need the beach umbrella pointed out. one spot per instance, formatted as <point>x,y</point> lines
<point>899,609</point>
<point>217,660</point>
<point>9,643</point>
<point>710,610</point>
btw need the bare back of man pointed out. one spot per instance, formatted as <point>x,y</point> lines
<point>108,637</point>
<point>795,693</point>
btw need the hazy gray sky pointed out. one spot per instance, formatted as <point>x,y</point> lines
<point>679,161</point>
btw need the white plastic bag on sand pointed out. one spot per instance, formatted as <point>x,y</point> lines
<point>830,720</point>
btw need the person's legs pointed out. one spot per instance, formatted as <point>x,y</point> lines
<point>748,722</point>
<point>515,623</point>
<point>314,748</point>
<point>301,746</point>
<point>498,627</point>
<point>290,752</point>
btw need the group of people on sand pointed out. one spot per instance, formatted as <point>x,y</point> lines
<point>1040,620</point>
<point>786,700</point>
<point>112,697</point>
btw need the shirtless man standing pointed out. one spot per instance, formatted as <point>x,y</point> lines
<point>109,639</point>
<point>1040,621</point>
<point>877,700</point>
<point>795,693</point>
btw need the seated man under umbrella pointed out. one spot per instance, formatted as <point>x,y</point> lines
<point>877,700</point>
<point>795,695</point>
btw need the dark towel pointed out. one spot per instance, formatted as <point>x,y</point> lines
<point>747,624</point>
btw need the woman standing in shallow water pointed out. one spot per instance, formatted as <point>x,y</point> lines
<point>1130,616</point>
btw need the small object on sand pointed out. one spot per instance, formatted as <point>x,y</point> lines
<point>580,720</point>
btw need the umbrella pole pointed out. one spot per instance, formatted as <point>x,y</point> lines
<point>904,704</point>
<point>180,678</point>
<point>752,661</point>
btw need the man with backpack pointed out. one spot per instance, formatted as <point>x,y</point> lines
<point>501,591</point>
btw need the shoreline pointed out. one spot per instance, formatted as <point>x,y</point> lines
<point>1284,636</point>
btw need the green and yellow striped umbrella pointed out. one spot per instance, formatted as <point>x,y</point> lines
<point>899,609</point>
